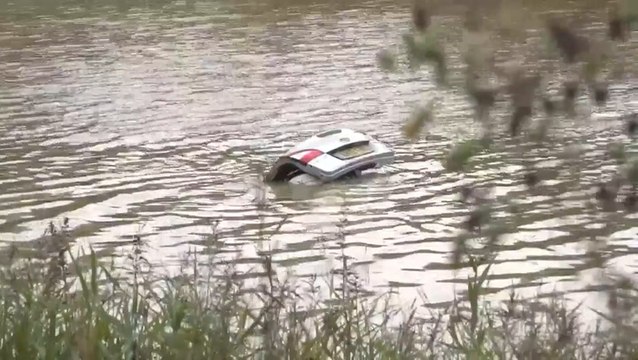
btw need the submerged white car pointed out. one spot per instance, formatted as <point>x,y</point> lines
<point>330,156</point>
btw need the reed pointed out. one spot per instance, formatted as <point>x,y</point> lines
<point>77,308</point>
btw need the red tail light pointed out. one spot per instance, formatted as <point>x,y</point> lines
<point>309,156</point>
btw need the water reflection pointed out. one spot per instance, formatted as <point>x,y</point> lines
<point>158,125</point>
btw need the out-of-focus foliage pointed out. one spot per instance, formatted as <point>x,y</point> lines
<point>419,119</point>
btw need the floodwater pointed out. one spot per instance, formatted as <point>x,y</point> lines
<point>158,124</point>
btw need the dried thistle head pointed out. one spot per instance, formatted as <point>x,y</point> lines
<point>571,45</point>
<point>600,90</point>
<point>630,200</point>
<point>596,60</point>
<point>386,60</point>
<point>522,88</point>
<point>531,178</point>
<point>520,115</point>
<point>458,250</point>
<point>483,100</point>
<point>549,105</point>
<point>618,23</point>
<point>617,152</point>
<point>632,172</point>
<point>461,153</point>
<point>465,193</point>
<point>477,218</point>
<point>570,92</point>
<point>606,194</point>
<point>478,50</point>
<point>426,48</point>
<point>632,125</point>
<point>511,20</point>
<point>419,118</point>
<point>421,17</point>
<point>473,17</point>
<point>480,90</point>
<point>570,89</point>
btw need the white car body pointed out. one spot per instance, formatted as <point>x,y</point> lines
<point>330,156</point>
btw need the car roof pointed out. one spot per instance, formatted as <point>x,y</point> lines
<point>330,140</point>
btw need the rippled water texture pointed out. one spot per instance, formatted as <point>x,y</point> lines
<point>158,124</point>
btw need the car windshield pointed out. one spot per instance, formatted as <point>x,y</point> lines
<point>352,151</point>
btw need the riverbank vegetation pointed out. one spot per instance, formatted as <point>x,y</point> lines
<point>75,307</point>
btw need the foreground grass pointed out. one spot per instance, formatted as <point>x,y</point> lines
<point>77,309</point>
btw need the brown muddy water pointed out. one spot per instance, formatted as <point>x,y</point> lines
<point>159,123</point>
